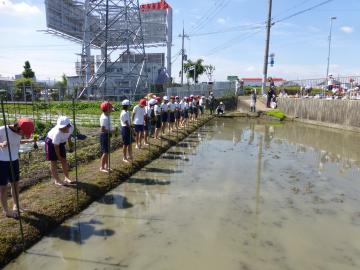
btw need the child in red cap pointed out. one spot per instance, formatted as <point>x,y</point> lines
<point>138,118</point>
<point>9,161</point>
<point>105,126</point>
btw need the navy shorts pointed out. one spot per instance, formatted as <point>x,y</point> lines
<point>50,150</point>
<point>5,169</point>
<point>104,142</point>
<point>177,115</point>
<point>147,125</point>
<point>186,114</point>
<point>196,111</point>
<point>190,110</point>
<point>164,117</point>
<point>139,128</point>
<point>158,122</point>
<point>126,135</point>
<point>172,117</point>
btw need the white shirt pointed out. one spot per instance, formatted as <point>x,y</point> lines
<point>164,107</point>
<point>124,117</point>
<point>148,111</point>
<point>182,105</point>
<point>330,81</point>
<point>105,121</point>
<point>177,105</point>
<point>139,114</point>
<point>157,109</point>
<point>14,139</point>
<point>172,107</point>
<point>59,137</point>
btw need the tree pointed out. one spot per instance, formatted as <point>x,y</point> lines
<point>199,68</point>
<point>28,73</point>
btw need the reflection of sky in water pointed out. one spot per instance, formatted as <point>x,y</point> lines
<point>24,148</point>
<point>236,194</point>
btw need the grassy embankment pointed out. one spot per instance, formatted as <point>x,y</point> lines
<point>50,205</point>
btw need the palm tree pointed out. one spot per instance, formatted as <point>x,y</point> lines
<point>199,69</point>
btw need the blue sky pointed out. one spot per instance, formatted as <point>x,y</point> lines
<point>300,43</point>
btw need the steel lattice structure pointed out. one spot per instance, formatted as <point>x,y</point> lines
<point>121,29</point>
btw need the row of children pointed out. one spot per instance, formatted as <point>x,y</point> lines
<point>149,117</point>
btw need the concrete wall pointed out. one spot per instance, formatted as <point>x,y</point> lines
<point>339,112</point>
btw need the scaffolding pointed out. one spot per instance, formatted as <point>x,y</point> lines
<point>118,28</point>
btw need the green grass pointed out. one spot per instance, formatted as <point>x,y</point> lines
<point>51,205</point>
<point>277,114</point>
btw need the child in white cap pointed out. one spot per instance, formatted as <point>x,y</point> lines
<point>126,131</point>
<point>55,148</point>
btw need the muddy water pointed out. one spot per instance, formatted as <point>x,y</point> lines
<point>237,194</point>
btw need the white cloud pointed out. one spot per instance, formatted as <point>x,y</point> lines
<point>221,21</point>
<point>347,29</point>
<point>21,8</point>
<point>250,68</point>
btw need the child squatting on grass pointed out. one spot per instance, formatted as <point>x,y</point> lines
<point>106,131</point>
<point>126,131</point>
<point>55,149</point>
<point>9,161</point>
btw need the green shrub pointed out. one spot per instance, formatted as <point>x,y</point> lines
<point>276,113</point>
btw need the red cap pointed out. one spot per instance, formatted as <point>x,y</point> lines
<point>158,99</point>
<point>106,105</point>
<point>172,97</point>
<point>26,126</point>
<point>142,102</point>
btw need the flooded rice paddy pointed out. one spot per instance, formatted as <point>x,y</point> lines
<point>236,194</point>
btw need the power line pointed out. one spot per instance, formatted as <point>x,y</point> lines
<point>211,16</point>
<point>237,28</point>
<point>209,11</point>
<point>293,7</point>
<point>302,11</point>
<point>232,42</point>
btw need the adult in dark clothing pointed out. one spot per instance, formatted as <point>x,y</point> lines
<point>211,101</point>
<point>271,92</point>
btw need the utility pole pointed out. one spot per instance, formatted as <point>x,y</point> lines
<point>328,59</point>
<point>266,57</point>
<point>183,36</point>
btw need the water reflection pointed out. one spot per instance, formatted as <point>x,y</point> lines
<point>237,194</point>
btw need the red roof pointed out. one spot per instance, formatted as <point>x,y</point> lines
<point>260,79</point>
<point>155,6</point>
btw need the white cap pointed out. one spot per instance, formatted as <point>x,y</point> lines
<point>191,95</point>
<point>125,102</point>
<point>152,101</point>
<point>63,121</point>
<point>221,102</point>
<point>166,98</point>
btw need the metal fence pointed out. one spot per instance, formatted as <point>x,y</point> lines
<point>218,88</point>
<point>344,82</point>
